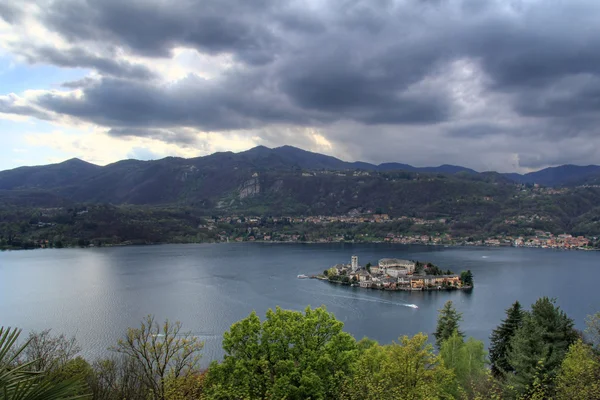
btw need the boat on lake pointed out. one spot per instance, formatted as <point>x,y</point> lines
<point>302,276</point>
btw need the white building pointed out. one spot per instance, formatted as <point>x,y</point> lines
<point>396,271</point>
<point>386,263</point>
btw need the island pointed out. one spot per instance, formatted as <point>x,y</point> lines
<point>397,274</point>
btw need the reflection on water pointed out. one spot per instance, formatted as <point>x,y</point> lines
<point>97,293</point>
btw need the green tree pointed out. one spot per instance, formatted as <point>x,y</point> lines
<point>160,352</point>
<point>467,277</point>
<point>500,339</point>
<point>467,360</point>
<point>189,387</point>
<point>593,329</point>
<point>405,370</point>
<point>19,381</point>
<point>538,347</point>
<point>447,324</point>
<point>579,376</point>
<point>291,355</point>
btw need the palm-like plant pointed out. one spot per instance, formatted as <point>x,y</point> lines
<point>19,382</point>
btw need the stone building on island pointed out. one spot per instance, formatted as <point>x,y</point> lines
<point>392,274</point>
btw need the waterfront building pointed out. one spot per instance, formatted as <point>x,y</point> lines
<point>386,263</point>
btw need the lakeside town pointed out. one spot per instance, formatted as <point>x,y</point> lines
<point>395,274</point>
<point>50,226</point>
<point>254,231</point>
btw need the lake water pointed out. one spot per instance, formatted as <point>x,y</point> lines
<point>95,294</point>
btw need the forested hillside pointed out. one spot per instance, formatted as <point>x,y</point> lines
<point>171,199</point>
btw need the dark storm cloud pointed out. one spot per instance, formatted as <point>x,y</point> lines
<point>319,67</point>
<point>193,101</point>
<point>153,28</point>
<point>376,62</point>
<point>475,130</point>
<point>574,96</point>
<point>9,105</point>
<point>79,58</point>
<point>176,136</point>
<point>80,83</point>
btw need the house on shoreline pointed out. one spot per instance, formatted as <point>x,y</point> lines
<point>393,274</point>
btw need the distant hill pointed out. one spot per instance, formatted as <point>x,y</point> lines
<point>276,180</point>
<point>48,176</point>
<point>568,175</point>
<point>144,199</point>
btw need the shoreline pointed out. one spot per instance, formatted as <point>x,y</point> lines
<point>396,289</point>
<point>125,244</point>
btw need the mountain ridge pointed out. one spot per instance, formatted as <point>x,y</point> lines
<point>283,157</point>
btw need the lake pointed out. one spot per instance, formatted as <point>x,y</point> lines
<point>96,293</point>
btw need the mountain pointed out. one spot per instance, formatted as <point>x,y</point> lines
<point>284,178</point>
<point>144,199</point>
<point>559,176</point>
<point>261,175</point>
<point>48,176</point>
<point>132,172</point>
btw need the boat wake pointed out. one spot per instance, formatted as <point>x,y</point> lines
<point>371,299</point>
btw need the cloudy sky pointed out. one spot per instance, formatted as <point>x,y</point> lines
<point>507,85</point>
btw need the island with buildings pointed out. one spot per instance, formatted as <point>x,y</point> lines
<point>397,274</point>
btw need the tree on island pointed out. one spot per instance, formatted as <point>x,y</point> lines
<point>447,324</point>
<point>368,267</point>
<point>419,267</point>
<point>501,337</point>
<point>467,278</point>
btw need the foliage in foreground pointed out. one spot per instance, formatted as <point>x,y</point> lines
<point>447,324</point>
<point>21,381</point>
<point>408,369</point>
<point>534,354</point>
<point>288,356</point>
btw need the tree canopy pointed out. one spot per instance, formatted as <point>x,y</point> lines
<point>579,375</point>
<point>466,359</point>
<point>501,337</point>
<point>447,324</point>
<point>539,346</point>
<point>290,355</point>
<point>408,369</point>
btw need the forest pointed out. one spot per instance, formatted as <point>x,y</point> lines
<point>534,353</point>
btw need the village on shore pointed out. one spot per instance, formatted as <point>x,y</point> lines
<point>396,274</point>
<point>255,230</point>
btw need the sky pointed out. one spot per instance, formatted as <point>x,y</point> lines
<point>505,85</point>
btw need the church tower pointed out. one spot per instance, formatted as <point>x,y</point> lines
<point>354,263</point>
